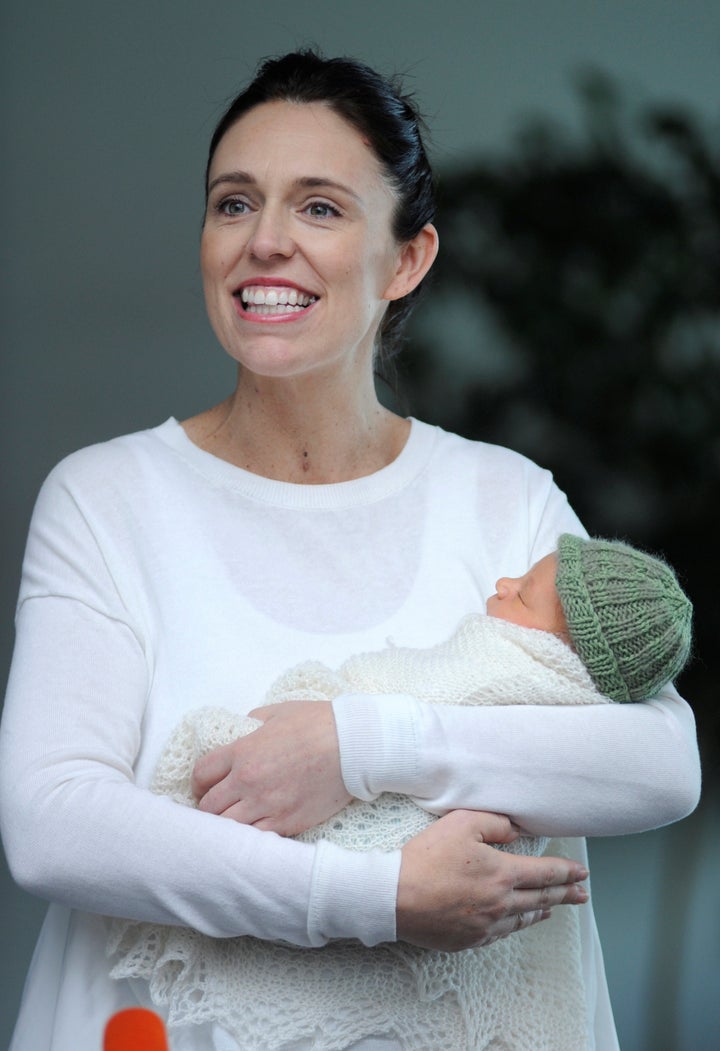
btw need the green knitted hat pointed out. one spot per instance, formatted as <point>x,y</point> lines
<point>627,616</point>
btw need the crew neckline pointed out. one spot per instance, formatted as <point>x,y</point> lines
<point>410,461</point>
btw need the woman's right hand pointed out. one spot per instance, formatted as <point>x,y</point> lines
<point>457,892</point>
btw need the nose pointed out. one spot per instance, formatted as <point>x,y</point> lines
<point>506,586</point>
<point>270,235</point>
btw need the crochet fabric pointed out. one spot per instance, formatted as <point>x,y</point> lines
<point>523,991</point>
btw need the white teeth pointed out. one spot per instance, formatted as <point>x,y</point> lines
<point>281,300</point>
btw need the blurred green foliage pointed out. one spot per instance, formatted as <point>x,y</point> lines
<point>574,315</point>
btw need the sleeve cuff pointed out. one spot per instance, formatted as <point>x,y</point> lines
<point>378,741</point>
<point>353,895</point>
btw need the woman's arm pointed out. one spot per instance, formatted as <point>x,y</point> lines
<point>78,830</point>
<point>589,770</point>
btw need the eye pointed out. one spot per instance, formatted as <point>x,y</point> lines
<point>232,206</point>
<point>322,210</point>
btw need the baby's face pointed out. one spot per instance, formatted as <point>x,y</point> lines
<point>531,600</point>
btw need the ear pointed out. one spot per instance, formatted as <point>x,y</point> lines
<point>414,260</point>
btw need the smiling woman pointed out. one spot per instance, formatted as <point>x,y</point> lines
<point>300,263</point>
<point>186,565</point>
<point>299,215</point>
<point>302,260</point>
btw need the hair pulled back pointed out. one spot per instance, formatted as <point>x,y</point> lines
<point>376,107</point>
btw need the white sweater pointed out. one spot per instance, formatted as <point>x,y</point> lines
<point>156,575</point>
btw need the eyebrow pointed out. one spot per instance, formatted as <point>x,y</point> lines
<point>309,182</point>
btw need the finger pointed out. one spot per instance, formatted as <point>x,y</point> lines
<point>547,898</point>
<point>532,873</point>
<point>263,713</point>
<point>528,919</point>
<point>513,924</point>
<point>483,826</point>
<point>221,797</point>
<point>282,827</point>
<point>247,815</point>
<point>242,812</point>
<point>209,770</point>
<point>496,828</point>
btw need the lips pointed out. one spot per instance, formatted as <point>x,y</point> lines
<point>261,300</point>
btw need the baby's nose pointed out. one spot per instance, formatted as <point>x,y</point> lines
<point>504,586</point>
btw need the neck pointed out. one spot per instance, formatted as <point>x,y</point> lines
<point>303,433</point>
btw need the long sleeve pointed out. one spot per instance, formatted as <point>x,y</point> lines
<point>78,828</point>
<point>593,770</point>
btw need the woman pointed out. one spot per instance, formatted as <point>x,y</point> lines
<point>189,563</point>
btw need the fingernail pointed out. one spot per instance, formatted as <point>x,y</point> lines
<point>582,895</point>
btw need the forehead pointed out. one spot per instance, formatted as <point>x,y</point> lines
<point>298,136</point>
<point>543,572</point>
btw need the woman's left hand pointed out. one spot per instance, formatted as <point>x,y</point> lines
<point>284,777</point>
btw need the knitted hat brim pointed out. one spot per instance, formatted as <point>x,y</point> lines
<point>585,630</point>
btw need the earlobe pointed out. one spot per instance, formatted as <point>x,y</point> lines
<point>416,258</point>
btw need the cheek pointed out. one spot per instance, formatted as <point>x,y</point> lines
<point>205,263</point>
<point>213,255</point>
<point>375,260</point>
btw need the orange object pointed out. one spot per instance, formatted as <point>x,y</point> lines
<point>135,1029</point>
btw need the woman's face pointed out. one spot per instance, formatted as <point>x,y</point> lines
<point>297,252</point>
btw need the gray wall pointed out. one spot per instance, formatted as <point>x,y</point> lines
<point>107,110</point>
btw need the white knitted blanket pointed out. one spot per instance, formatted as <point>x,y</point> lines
<point>522,992</point>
